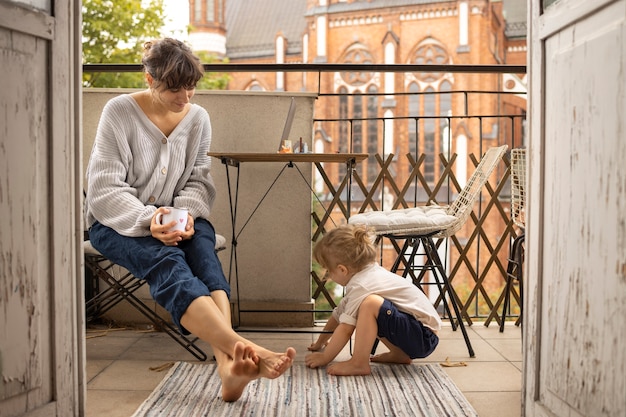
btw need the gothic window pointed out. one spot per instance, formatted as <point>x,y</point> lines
<point>343,126</point>
<point>430,52</point>
<point>357,125</point>
<point>445,109</point>
<point>372,133</point>
<point>414,111</point>
<point>210,11</point>
<point>220,10</point>
<point>430,134</point>
<point>357,54</point>
<point>343,115</point>
<point>197,11</point>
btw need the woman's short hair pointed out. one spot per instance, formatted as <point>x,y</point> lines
<point>171,63</point>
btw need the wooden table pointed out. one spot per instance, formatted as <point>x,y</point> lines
<point>235,159</point>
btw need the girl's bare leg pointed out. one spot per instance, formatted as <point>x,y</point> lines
<point>366,332</point>
<point>395,355</point>
<point>239,360</point>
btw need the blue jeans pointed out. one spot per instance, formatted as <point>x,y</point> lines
<point>177,275</point>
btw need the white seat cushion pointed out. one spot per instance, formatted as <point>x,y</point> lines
<point>220,244</point>
<point>420,220</point>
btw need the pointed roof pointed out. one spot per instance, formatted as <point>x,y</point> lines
<point>252,26</point>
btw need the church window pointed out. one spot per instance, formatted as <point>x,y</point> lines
<point>210,11</point>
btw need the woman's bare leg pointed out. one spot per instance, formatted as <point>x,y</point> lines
<point>239,360</point>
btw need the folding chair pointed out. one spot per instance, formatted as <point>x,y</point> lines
<point>420,225</point>
<point>518,214</point>
<point>121,286</point>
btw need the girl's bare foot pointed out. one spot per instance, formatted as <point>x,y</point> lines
<point>350,367</point>
<point>392,357</point>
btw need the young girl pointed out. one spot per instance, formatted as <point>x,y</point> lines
<point>150,152</point>
<point>377,303</point>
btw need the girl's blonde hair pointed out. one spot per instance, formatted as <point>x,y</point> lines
<point>348,245</point>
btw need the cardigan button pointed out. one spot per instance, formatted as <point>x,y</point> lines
<point>164,141</point>
<point>151,199</point>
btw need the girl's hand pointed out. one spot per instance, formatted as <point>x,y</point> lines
<point>315,360</point>
<point>318,345</point>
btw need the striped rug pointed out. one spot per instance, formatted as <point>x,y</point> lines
<point>193,390</point>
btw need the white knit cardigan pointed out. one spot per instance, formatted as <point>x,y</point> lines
<point>134,168</point>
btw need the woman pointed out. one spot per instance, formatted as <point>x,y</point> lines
<point>150,152</point>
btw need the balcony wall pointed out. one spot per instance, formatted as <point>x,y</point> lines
<point>274,247</point>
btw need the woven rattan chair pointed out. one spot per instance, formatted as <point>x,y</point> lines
<point>418,226</point>
<point>518,214</point>
<point>121,285</point>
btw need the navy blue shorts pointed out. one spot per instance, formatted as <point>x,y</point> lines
<point>405,331</point>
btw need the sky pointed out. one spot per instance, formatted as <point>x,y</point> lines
<point>176,18</point>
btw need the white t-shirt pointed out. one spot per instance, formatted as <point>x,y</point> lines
<point>375,279</point>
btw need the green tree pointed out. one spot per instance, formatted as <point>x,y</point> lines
<point>114,32</point>
<point>212,81</point>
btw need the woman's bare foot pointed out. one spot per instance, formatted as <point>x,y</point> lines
<point>273,364</point>
<point>246,365</point>
<point>349,367</point>
<point>238,372</point>
<point>392,357</point>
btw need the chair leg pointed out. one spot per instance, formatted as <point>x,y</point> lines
<point>408,264</point>
<point>123,289</point>
<point>433,255</point>
<point>441,279</point>
<point>520,274</point>
<point>514,271</point>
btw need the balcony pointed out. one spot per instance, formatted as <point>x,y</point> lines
<point>423,143</point>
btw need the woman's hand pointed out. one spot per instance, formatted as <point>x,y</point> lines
<point>189,229</point>
<point>162,231</point>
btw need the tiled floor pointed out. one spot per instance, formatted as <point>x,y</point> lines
<point>119,366</point>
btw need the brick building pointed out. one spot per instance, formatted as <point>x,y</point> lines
<point>466,32</point>
<point>381,32</point>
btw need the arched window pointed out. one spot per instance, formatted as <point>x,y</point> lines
<point>414,111</point>
<point>372,133</point>
<point>197,11</point>
<point>210,11</point>
<point>357,125</point>
<point>430,135</point>
<point>344,132</point>
<point>445,109</point>
<point>344,125</point>
<point>357,54</point>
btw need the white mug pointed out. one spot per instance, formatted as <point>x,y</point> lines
<point>176,214</point>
